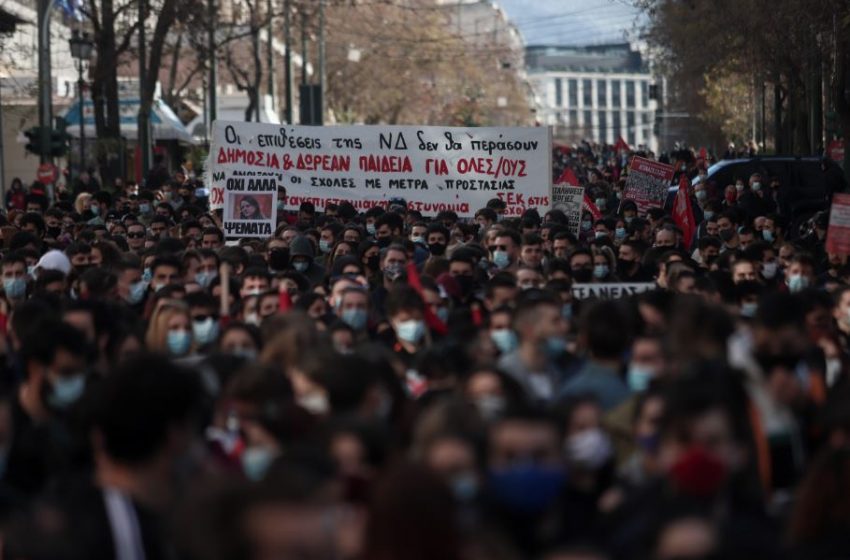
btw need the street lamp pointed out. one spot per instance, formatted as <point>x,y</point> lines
<point>82,49</point>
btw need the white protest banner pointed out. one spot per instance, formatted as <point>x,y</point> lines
<point>647,183</point>
<point>433,168</point>
<point>569,200</point>
<point>610,291</point>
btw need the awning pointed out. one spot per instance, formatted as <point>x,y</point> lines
<point>165,125</point>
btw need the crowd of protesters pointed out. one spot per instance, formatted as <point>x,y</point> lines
<point>385,385</point>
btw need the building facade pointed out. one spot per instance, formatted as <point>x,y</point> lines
<point>597,93</point>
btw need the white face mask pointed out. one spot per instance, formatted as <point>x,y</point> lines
<point>769,269</point>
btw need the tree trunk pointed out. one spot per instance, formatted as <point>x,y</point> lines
<point>164,22</point>
<point>105,93</point>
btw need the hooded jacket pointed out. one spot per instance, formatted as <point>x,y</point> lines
<point>301,246</point>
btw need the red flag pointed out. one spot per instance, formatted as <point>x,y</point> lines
<point>284,301</point>
<point>569,178</point>
<point>683,214</point>
<point>434,323</point>
<point>703,154</point>
<point>621,145</point>
<point>591,207</point>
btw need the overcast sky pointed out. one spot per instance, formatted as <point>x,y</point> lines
<point>571,22</point>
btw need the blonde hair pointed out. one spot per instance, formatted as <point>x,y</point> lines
<point>80,202</point>
<point>156,337</point>
<point>291,336</point>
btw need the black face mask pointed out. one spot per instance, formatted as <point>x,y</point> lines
<point>466,284</point>
<point>582,275</point>
<point>54,232</point>
<point>384,242</point>
<point>624,268</point>
<point>279,259</point>
<point>727,234</point>
<point>437,249</point>
<point>373,262</point>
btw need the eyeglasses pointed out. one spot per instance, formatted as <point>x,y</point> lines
<point>136,234</point>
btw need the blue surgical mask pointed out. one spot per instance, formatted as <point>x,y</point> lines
<point>505,340</point>
<point>638,377</point>
<point>767,235</point>
<point>527,489</point>
<point>144,208</point>
<point>324,246</point>
<point>600,235</point>
<point>205,331</point>
<point>15,288</point>
<point>701,195</point>
<point>620,233</point>
<point>67,390</point>
<point>600,271</point>
<point>443,314</point>
<point>708,214</point>
<point>410,331</point>
<point>355,318</point>
<point>95,210</point>
<point>137,292</point>
<point>420,240</point>
<point>147,275</point>
<point>256,462</point>
<point>797,283</point>
<point>601,203</point>
<point>247,354</point>
<point>301,266</point>
<point>749,309</point>
<point>586,225</point>
<point>501,259</point>
<point>555,346</point>
<point>178,342</point>
<point>204,279</point>
<point>31,271</point>
<point>756,186</point>
<point>567,311</point>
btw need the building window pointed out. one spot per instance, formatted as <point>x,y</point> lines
<point>630,127</point>
<point>588,120</point>
<point>618,129</point>
<point>645,118</point>
<point>559,94</point>
<point>587,96</point>
<point>631,139</point>
<point>601,93</point>
<point>644,93</point>
<point>573,118</point>
<point>615,94</point>
<point>572,92</point>
<point>630,94</point>
<point>603,125</point>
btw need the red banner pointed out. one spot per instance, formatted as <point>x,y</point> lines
<point>838,234</point>
<point>591,207</point>
<point>568,178</point>
<point>683,213</point>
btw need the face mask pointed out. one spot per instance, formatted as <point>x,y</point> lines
<point>629,219</point>
<point>373,262</point>
<point>589,449</point>
<point>464,487</point>
<point>505,340</point>
<point>586,225</point>
<point>137,292</point>
<point>600,235</point>
<point>582,275</point>
<point>437,249</point>
<point>393,271</point>
<point>600,203</point>
<point>739,187</point>
<point>443,314</point>
<point>419,240</point>
<point>727,234</point>
<point>66,391</point>
<point>301,266</point>
<point>204,279</point>
<point>619,195</point>
<point>708,214</point>
<point>767,235</point>
<point>567,311</point>
<point>178,342</point>
<point>144,208</point>
<point>797,283</point>
<point>527,489</point>
<point>54,232</point>
<point>315,403</point>
<point>147,275</point>
<point>756,186</point>
<point>355,318</point>
<point>15,288</point>
<point>501,259</point>
<point>410,331</point>
<point>638,377</point>
<point>281,205</point>
<point>95,210</point>
<point>31,271</point>
<point>555,346</point>
<point>701,196</point>
<point>205,331</point>
<point>256,462</point>
<point>600,271</point>
<point>490,407</point>
<point>620,233</point>
<point>247,354</point>
<point>253,319</point>
<point>749,309</point>
<point>324,246</point>
<point>769,270</point>
<point>370,229</point>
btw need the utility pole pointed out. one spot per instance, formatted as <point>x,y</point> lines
<point>270,54</point>
<point>321,100</point>
<point>287,29</point>
<point>45,82</point>
<point>303,48</point>
<point>212,99</point>
<point>144,115</point>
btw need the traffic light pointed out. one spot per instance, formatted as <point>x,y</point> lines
<point>59,138</point>
<point>33,140</point>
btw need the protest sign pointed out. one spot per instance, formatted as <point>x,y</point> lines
<point>433,168</point>
<point>250,203</point>
<point>610,291</point>
<point>569,200</point>
<point>838,234</point>
<point>647,183</point>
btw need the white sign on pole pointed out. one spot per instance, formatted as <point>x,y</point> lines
<point>432,168</point>
<point>569,200</point>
